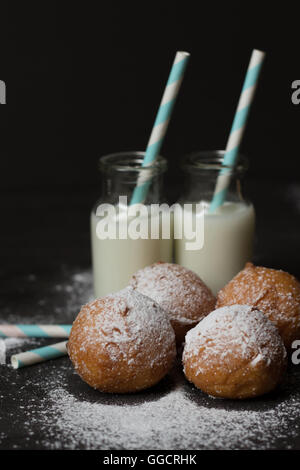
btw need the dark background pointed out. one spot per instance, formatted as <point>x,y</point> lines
<point>86,79</point>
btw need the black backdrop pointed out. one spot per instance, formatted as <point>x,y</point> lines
<point>84,80</point>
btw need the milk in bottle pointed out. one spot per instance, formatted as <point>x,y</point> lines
<point>116,259</point>
<point>228,232</point>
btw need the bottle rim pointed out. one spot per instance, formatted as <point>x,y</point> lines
<point>212,160</point>
<point>130,161</point>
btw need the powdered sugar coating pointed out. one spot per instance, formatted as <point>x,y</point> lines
<point>177,290</point>
<point>126,334</point>
<point>239,331</point>
<point>274,292</point>
<point>74,417</point>
<point>230,346</point>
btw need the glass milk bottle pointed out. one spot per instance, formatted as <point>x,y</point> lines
<point>117,256</point>
<point>228,232</point>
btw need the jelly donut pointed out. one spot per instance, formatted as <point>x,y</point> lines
<point>179,291</point>
<point>235,352</point>
<point>275,293</point>
<point>122,343</point>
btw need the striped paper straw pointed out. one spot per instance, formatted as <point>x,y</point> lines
<point>161,124</point>
<point>38,355</point>
<point>238,128</point>
<point>35,331</point>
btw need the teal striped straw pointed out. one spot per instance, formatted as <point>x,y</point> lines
<point>35,331</point>
<point>160,125</point>
<point>237,129</point>
<point>37,355</point>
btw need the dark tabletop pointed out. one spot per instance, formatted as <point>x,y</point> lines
<point>45,277</point>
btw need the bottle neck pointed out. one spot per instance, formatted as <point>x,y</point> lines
<point>202,170</point>
<point>122,172</point>
<point>115,185</point>
<point>200,186</point>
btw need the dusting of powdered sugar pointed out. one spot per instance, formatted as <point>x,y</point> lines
<point>58,303</point>
<point>129,325</point>
<point>181,418</point>
<point>57,298</point>
<point>14,343</point>
<point>266,289</point>
<point>176,289</point>
<point>7,345</point>
<point>232,336</point>
<point>76,290</point>
<point>276,293</point>
<point>48,406</point>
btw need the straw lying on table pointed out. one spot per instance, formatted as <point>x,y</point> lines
<point>161,124</point>
<point>35,331</point>
<point>39,355</point>
<point>238,128</point>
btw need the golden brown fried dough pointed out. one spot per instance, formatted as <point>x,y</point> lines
<point>122,343</point>
<point>179,291</point>
<point>235,352</point>
<point>275,293</point>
